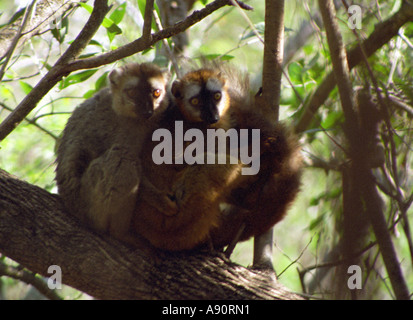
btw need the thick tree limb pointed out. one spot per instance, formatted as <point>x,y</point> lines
<point>37,233</point>
<point>382,34</point>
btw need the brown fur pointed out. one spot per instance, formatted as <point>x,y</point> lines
<point>99,170</point>
<point>257,201</point>
<point>198,189</point>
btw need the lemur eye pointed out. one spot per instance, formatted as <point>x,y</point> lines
<point>156,93</point>
<point>194,101</point>
<point>217,95</point>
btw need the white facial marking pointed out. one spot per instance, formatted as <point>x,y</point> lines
<point>222,103</point>
<point>213,84</point>
<point>192,90</point>
<point>157,83</point>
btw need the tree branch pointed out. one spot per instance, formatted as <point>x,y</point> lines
<point>45,11</point>
<point>147,21</point>
<point>55,74</point>
<point>36,232</point>
<point>32,122</point>
<point>382,34</point>
<point>139,44</point>
<point>269,101</point>
<point>29,278</point>
<point>273,56</point>
<point>67,63</point>
<point>13,45</point>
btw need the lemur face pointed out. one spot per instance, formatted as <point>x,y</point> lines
<point>201,96</point>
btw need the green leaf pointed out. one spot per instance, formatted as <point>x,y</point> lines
<point>102,81</point>
<point>88,7</point>
<point>48,66</point>
<point>112,31</point>
<point>214,56</point>
<point>332,118</point>
<point>89,94</point>
<point>88,55</point>
<point>111,26</point>
<point>6,93</point>
<point>141,6</point>
<point>147,50</point>
<point>118,14</point>
<point>56,34</point>
<point>295,71</point>
<point>108,23</point>
<point>77,78</point>
<point>26,87</point>
<point>96,43</point>
<point>59,29</point>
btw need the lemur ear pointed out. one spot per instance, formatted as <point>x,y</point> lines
<point>176,89</point>
<point>114,76</point>
<point>166,74</point>
<point>222,77</point>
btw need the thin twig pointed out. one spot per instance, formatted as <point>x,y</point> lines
<point>253,28</point>
<point>338,262</point>
<point>16,38</point>
<point>382,33</point>
<point>166,46</point>
<point>29,278</point>
<point>33,122</point>
<point>298,258</point>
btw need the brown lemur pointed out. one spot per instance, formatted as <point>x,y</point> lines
<point>200,99</point>
<point>218,98</point>
<point>99,171</point>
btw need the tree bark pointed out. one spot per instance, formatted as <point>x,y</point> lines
<point>36,232</point>
<point>269,101</point>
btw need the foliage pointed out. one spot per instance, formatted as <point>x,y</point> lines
<point>311,233</point>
